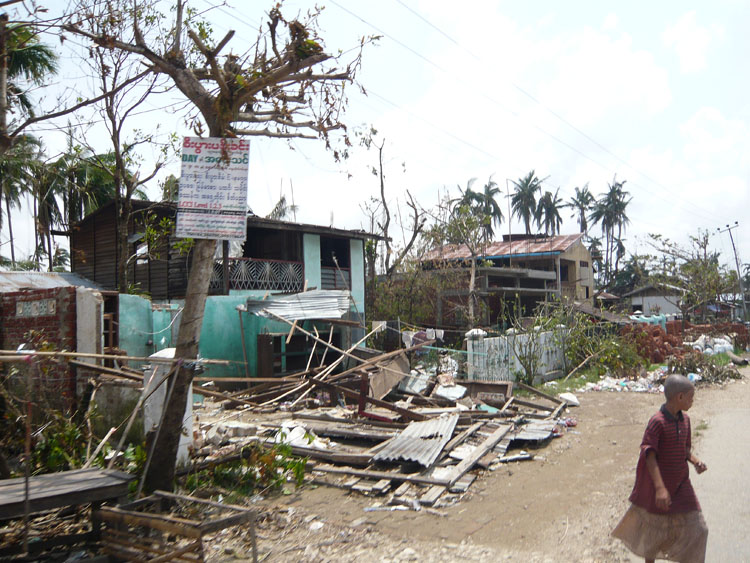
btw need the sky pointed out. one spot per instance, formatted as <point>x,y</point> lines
<point>654,94</point>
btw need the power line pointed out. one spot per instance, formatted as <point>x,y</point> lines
<point>516,114</point>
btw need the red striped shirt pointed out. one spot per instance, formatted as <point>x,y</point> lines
<point>669,437</point>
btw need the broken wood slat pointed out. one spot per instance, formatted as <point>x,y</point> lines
<point>481,449</point>
<point>402,489</point>
<point>506,406</point>
<point>409,415</point>
<point>371,474</point>
<point>350,483</point>
<point>380,487</point>
<point>216,524</point>
<point>554,414</point>
<point>377,359</point>
<point>160,522</point>
<point>432,495</point>
<point>536,391</point>
<point>463,484</point>
<point>119,373</point>
<point>347,458</point>
<point>532,405</point>
<point>486,460</point>
<point>187,498</point>
<point>329,418</point>
<point>135,548</point>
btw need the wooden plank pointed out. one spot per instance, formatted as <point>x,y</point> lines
<point>481,449</point>
<point>531,405</point>
<point>402,490</point>
<point>555,413</point>
<point>66,488</point>
<point>370,474</point>
<point>216,524</point>
<point>134,547</point>
<point>536,391</point>
<point>170,524</point>
<point>407,414</point>
<point>463,484</point>
<point>432,495</point>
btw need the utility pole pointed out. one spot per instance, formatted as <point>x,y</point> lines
<point>728,229</point>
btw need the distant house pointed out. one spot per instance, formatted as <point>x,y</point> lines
<point>528,269</point>
<point>277,258</point>
<point>652,300</point>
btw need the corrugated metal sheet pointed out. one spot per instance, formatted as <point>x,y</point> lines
<point>316,304</point>
<point>16,281</point>
<point>421,441</point>
<point>541,246</point>
<point>535,431</point>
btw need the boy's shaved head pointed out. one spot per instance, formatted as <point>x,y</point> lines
<point>676,384</point>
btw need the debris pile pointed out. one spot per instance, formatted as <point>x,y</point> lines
<point>419,438</point>
<point>652,342</point>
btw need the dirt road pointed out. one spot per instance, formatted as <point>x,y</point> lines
<point>723,490</point>
<point>559,507</point>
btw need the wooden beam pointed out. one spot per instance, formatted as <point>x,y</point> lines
<point>378,475</point>
<point>407,414</point>
<point>535,391</point>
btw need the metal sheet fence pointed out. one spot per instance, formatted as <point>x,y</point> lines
<point>495,358</point>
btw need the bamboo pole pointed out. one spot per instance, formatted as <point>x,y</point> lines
<point>12,353</point>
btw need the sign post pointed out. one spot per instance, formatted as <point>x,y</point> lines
<point>212,200</point>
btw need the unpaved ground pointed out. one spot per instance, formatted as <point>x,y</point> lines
<point>559,507</point>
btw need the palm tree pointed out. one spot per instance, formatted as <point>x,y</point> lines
<point>484,204</point>
<point>16,167</point>
<point>610,212</point>
<point>490,208</point>
<point>581,204</point>
<point>548,212</point>
<point>523,200</point>
<point>30,60</point>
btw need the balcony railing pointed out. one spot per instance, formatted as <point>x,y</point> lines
<point>335,278</point>
<point>249,273</point>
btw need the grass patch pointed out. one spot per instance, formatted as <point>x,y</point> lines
<point>573,384</point>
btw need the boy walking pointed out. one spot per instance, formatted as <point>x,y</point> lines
<point>665,520</point>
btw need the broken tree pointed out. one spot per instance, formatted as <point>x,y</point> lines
<point>278,89</point>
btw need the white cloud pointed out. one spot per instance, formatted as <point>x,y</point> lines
<point>691,41</point>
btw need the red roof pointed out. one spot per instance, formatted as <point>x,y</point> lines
<point>542,245</point>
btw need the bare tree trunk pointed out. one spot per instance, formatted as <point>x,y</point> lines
<point>472,290</point>
<point>162,467</point>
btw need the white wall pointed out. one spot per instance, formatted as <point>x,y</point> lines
<point>89,320</point>
<point>493,359</point>
<point>652,305</point>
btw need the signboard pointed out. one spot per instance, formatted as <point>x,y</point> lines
<point>212,201</point>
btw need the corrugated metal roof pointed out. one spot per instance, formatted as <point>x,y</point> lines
<point>421,441</point>
<point>503,249</point>
<point>16,281</point>
<point>316,304</point>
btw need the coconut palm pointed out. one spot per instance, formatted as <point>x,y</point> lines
<point>581,205</point>
<point>548,212</point>
<point>610,212</point>
<point>484,204</point>
<point>16,170</point>
<point>523,200</point>
<point>29,60</point>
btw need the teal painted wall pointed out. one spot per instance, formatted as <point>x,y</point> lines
<point>165,331</point>
<point>144,331</point>
<point>311,252</point>
<point>357,261</point>
<point>220,335</point>
<point>136,325</point>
